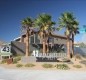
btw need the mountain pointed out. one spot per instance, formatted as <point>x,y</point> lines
<point>2,42</point>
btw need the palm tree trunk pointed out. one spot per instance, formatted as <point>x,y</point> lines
<point>47,47</point>
<point>72,44</point>
<point>27,43</point>
<point>44,46</point>
<point>68,47</point>
<point>44,43</point>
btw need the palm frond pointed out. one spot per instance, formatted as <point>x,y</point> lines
<point>27,23</point>
<point>44,22</point>
<point>68,21</point>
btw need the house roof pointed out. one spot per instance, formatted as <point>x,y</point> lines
<point>59,36</point>
<point>52,34</point>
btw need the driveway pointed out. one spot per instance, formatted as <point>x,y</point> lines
<point>18,74</point>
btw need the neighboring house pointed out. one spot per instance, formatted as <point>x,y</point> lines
<point>2,43</point>
<point>81,51</point>
<point>76,44</point>
<point>80,48</point>
<point>56,43</point>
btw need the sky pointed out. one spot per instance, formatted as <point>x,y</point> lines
<point>12,12</point>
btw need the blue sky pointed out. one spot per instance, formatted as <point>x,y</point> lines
<point>13,11</point>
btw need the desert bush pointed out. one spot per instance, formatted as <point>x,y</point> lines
<point>18,58</point>
<point>62,66</point>
<point>47,65</point>
<point>29,65</point>
<point>19,65</point>
<point>15,61</point>
<point>3,61</point>
<point>84,56</point>
<point>77,66</point>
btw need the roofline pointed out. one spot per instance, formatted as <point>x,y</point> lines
<point>60,36</point>
<point>16,38</point>
<point>53,35</point>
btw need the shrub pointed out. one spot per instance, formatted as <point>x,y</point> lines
<point>62,66</point>
<point>84,56</point>
<point>77,66</point>
<point>15,61</point>
<point>47,65</point>
<point>3,61</point>
<point>19,65</point>
<point>29,65</point>
<point>18,58</point>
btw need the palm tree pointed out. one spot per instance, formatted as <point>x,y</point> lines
<point>75,30</point>
<point>27,24</point>
<point>44,22</point>
<point>65,21</point>
<point>50,29</point>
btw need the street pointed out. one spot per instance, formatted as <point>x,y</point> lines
<point>18,74</point>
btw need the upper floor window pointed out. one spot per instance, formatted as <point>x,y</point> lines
<point>32,39</point>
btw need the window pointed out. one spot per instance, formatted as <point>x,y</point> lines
<point>32,39</point>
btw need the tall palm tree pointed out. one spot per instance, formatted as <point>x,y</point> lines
<point>27,24</point>
<point>44,22</point>
<point>74,30</point>
<point>50,29</point>
<point>65,21</point>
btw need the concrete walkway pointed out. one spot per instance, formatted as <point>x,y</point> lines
<point>17,74</point>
